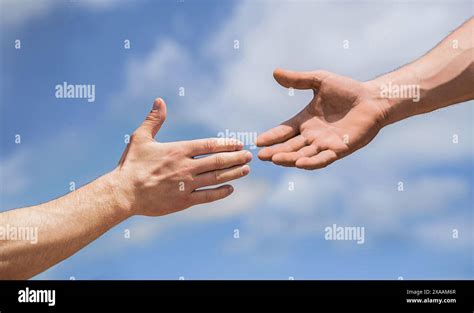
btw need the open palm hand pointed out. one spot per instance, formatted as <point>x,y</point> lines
<point>343,116</point>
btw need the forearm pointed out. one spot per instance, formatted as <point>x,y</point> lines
<point>64,226</point>
<point>442,77</point>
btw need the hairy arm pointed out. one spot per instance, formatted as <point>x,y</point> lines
<point>63,226</point>
<point>444,76</point>
<point>345,114</point>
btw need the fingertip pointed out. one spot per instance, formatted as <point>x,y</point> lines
<point>301,163</point>
<point>158,102</point>
<point>262,155</point>
<point>260,142</point>
<point>245,170</point>
<point>306,164</point>
<point>230,189</point>
<point>274,158</point>
<point>248,156</point>
<point>277,159</point>
<point>277,71</point>
<point>281,76</point>
<point>159,105</point>
<point>282,160</point>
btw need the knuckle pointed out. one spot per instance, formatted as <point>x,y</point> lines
<point>208,197</point>
<point>217,176</point>
<point>187,179</point>
<point>183,169</point>
<point>177,154</point>
<point>153,116</point>
<point>319,77</point>
<point>219,161</point>
<point>211,145</point>
<point>134,136</point>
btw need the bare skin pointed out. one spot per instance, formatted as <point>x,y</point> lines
<point>345,114</point>
<point>151,179</point>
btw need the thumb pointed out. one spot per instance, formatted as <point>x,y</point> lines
<point>152,124</point>
<point>299,80</point>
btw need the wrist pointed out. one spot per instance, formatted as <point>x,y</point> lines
<point>120,198</point>
<point>399,93</point>
<point>384,104</point>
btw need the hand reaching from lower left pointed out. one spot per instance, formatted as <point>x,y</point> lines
<point>161,178</point>
<point>151,178</point>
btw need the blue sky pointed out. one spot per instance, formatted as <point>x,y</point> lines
<point>190,44</point>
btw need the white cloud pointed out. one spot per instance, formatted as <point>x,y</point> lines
<point>20,12</point>
<point>38,164</point>
<point>160,73</point>
<point>385,208</point>
<point>166,61</point>
<point>14,174</point>
<point>452,233</point>
<point>425,141</point>
<point>322,199</point>
<point>17,12</point>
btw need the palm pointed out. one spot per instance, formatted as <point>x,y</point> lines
<point>342,117</point>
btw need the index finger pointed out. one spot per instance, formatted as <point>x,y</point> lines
<point>279,134</point>
<point>212,145</point>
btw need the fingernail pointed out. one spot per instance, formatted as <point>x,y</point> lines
<point>231,189</point>
<point>156,103</point>
<point>249,156</point>
<point>245,170</point>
